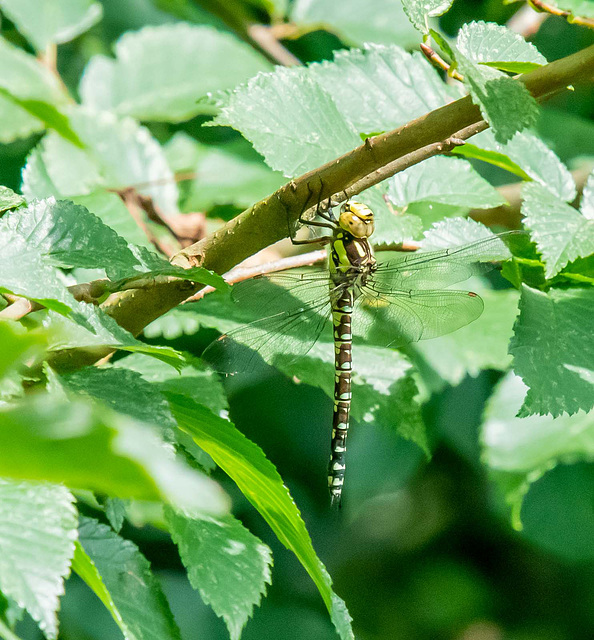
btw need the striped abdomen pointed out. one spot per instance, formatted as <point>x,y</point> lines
<point>342,310</point>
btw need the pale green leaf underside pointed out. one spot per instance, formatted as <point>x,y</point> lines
<point>226,563</point>
<point>90,447</point>
<point>316,114</point>
<point>125,583</point>
<point>16,122</point>
<point>562,234</point>
<point>551,345</point>
<point>9,199</point>
<point>384,23</point>
<point>490,43</point>
<point>587,203</point>
<point>37,532</point>
<point>446,181</point>
<point>259,481</point>
<point>523,449</point>
<point>46,22</point>
<point>161,73</point>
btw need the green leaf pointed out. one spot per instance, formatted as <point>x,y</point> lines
<point>505,103</point>
<point>561,233</point>
<point>587,203</point>
<point>497,46</point>
<point>580,8</point>
<point>384,23</point>
<point>445,181</point>
<point>24,271</point>
<point>119,153</point>
<point>455,232</point>
<point>261,484</point>
<point>87,446</point>
<point>226,563</point>
<point>521,450</point>
<point>160,73</point>
<point>37,532</point>
<point>9,199</point>
<point>16,122</point>
<point>152,265</point>
<point>292,140</point>
<point>525,155</point>
<point>419,11</point>
<point>552,343</point>
<point>122,578</point>
<point>381,87</point>
<point>46,22</point>
<point>25,78</point>
<point>100,330</point>
<point>18,345</point>
<point>70,236</point>
<point>230,174</point>
<point>480,345</point>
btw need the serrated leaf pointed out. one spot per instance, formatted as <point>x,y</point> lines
<point>226,563</point>
<point>90,447</point>
<point>480,345</point>
<point>497,46</point>
<point>455,232</point>
<point>95,328</point>
<point>562,234</point>
<point>160,73</point>
<point>259,481</point>
<point>121,576</point>
<point>419,11</point>
<point>71,236</point>
<point>119,153</point>
<point>293,140</point>
<point>9,199</point>
<point>521,450</point>
<point>38,525</point>
<point>379,88</point>
<point>552,338</point>
<point>527,156</point>
<point>445,181</point>
<point>384,23</point>
<point>24,271</point>
<point>46,22</point>
<point>505,103</point>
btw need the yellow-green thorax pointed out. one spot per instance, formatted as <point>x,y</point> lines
<point>350,248</point>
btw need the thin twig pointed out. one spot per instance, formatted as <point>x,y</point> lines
<point>437,61</point>
<point>265,37</point>
<point>539,5</point>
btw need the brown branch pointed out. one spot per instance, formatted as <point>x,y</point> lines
<point>539,5</point>
<point>266,38</point>
<point>267,221</point>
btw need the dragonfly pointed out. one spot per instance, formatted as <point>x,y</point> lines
<point>392,301</point>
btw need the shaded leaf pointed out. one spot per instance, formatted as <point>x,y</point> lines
<point>561,233</point>
<point>552,342</point>
<point>37,532</point>
<point>160,73</point>
<point>90,447</point>
<point>259,481</point>
<point>122,578</point>
<point>16,122</point>
<point>226,563</point>
<point>419,11</point>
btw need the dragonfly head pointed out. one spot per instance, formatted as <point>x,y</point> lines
<point>356,218</point>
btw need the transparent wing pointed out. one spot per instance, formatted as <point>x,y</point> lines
<point>400,317</point>
<point>437,269</point>
<point>294,310</point>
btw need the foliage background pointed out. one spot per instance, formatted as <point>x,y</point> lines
<point>425,548</point>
